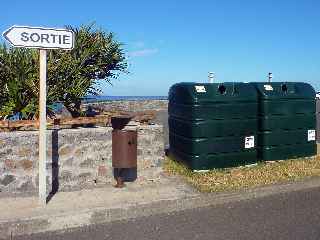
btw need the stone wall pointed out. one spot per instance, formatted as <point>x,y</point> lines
<point>159,106</point>
<point>76,158</point>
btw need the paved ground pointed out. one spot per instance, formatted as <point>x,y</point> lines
<point>24,215</point>
<point>285,216</point>
<point>172,211</point>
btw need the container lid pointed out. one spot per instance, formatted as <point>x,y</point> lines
<point>285,90</point>
<point>188,93</point>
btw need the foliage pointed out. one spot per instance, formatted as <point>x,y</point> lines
<point>18,81</point>
<point>96,56</point>
<point>71,75</point>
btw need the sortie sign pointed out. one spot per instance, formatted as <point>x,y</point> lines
<point>43,39</point>
<point>38,37</point>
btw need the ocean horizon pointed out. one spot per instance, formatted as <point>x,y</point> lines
<point>89,99</point>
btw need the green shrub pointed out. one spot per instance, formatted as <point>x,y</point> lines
<point>71,75</point>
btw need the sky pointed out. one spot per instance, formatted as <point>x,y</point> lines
<point>172,41</point>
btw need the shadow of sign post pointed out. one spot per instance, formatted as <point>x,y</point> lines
<point>42,39</point>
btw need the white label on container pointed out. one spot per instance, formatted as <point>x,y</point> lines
<point>200,89</point>
<point>249,142</point>
<point>268,87</point>
<point>311,135</point>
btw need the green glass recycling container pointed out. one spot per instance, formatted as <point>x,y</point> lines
<point>287,120</point>
<point>213,125</point>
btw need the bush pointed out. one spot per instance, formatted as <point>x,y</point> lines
<point>71,75</point>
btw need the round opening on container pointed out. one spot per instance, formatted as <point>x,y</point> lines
<point>284,88</point>
<point>222,89</point>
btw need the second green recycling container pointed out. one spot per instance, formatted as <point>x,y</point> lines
<point>213,125</point>
<point>287,120</point>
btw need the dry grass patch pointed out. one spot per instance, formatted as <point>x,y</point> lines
<point>249,176</point>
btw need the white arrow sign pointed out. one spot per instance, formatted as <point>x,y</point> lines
<point>43,38</point>
<point>38,37</point>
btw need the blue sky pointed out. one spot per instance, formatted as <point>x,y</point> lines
<point>174,41</point>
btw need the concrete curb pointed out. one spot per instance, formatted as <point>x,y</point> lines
<point>69,220</point>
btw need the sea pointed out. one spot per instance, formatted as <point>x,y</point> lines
<point>90,99</point>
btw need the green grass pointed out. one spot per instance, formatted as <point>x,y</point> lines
<point>231,179</point>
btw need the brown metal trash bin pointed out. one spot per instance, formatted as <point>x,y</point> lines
<point>124,148</point>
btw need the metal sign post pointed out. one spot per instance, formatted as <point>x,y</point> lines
<point>43,39</point>
<point>210,77</point>
<point>270,76</point>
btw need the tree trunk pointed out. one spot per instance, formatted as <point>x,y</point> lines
<point>74,108</point>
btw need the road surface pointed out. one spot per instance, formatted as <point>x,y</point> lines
<point>285,216</point>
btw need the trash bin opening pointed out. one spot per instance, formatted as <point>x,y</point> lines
<point>222,89</point>
<point>284,88</point>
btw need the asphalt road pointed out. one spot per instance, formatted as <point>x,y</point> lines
<point>286,216</point>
